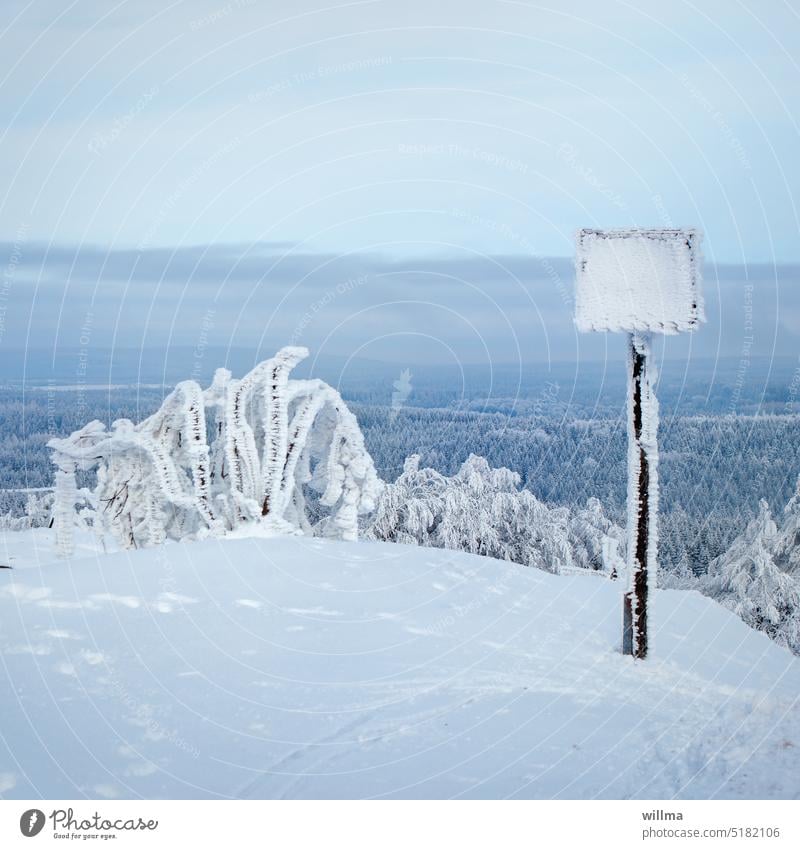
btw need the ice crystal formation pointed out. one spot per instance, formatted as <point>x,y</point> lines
<point>262,454</point>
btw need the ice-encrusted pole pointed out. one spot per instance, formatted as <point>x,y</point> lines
<point>642,494</point>
<point>639,282</point>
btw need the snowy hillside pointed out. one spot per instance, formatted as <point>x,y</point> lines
<point>294,667</point>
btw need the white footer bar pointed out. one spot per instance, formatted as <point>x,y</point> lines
<point>415,824</point>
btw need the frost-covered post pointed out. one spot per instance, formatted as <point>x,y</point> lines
<point>642,494</point>
<point>640,282</point>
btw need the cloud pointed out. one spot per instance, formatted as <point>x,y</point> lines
<point>460,306</point>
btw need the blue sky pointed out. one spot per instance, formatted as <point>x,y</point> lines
<point>155,152</point>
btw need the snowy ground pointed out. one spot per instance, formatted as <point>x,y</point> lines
<point>299,668</point>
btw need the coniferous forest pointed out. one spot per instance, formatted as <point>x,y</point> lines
<point>563,437</point>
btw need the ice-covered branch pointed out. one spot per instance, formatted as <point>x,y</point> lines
<point>174,476</point>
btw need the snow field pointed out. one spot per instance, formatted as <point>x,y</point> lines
<point>303,668</point>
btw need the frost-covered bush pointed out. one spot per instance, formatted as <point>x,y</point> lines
<point>786,550</point>
<point>677,577</point>
<point>747,580</point>
<point>37,514</point>
<point>483,511</point>
<point>240,454</point>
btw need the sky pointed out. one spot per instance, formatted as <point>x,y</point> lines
<point>396,180</point>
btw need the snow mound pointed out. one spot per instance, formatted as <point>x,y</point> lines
<point>297,667</point>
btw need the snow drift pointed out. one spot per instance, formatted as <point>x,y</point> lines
<point>298,667</point>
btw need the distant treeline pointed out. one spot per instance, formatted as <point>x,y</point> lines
<point>713,468</point>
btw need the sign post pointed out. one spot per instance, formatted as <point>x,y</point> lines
<point>639,282</point>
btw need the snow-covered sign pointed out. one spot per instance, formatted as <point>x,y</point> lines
<point>638,280</point>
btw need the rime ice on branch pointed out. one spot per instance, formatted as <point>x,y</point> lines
<point>641,282</point>
<point>276,445</point>
<point>484,511</point>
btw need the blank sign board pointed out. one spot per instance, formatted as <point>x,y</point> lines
<point>638,280</point>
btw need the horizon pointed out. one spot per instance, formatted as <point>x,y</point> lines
<point>459,306</point>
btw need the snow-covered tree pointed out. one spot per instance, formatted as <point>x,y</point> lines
<point>483,511</point>
<point>787,542</point>
<point>747,581</point>
<point>274,443</point>
<point>596,542</point>
<point>37,513</point>
<point>679,576</point>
